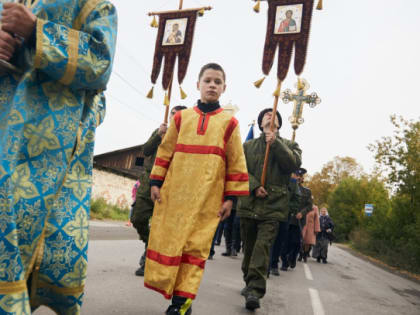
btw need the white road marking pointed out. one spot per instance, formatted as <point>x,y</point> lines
<point>316,302</point>
<point>103,224</point>
<point>308,273</point>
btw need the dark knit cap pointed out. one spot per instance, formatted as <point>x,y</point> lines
<point>301,171</point>
<point>263,112</point>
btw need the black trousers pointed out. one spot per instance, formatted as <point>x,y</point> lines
<point>232,232</point>
<point>293,242</point>
<point>280,245</point>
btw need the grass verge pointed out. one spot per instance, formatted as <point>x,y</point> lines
<point>100,209</point>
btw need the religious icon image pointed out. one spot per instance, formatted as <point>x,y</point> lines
<point>288,19</point>
<point>174,32</point>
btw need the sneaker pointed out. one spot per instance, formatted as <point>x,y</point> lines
<point>275,272</point>
<point>176,310</point>
<point>292,263</point>
<point>244,291</point>
<point>283,268</point>
<point>252,302</point>
<point>227,253</point>
<point>234,252</point>
<point>140,271</point>
<point>324,261</point>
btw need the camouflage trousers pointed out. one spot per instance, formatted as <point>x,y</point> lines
<point>258,237</point>
<point>140,217</point>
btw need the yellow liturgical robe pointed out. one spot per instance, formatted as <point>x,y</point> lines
<point>200,161</point>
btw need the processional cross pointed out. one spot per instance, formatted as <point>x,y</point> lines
<point>300,98</point>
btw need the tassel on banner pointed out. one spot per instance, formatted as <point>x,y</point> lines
<point>319,6</point>
<point>277,91</point>
<point>257,6</point>
<point>166,100</point>
<point>259,82</point>
<point>150,94</point>
<point>183,94</point>
<point>154,22</point>
<point>201,12</point>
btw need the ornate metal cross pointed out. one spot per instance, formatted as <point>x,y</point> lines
<point>299,98</point>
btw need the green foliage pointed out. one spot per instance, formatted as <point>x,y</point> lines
<point>332,173</point>
<point>347,201</point>
<point>100,209</point>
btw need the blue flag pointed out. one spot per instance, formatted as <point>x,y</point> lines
<point>250,135</point>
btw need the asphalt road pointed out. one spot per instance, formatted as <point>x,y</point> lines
<point>346,285</point>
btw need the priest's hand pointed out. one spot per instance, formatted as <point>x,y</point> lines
<point>18,19</point>
<point>7,45</point>
<point>162,129</point>
<point>270,136</point>
<point>260,192</point>
<point>155,193</point>
<point>225,210</point>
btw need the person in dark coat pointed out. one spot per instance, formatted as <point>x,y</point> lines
<point>323,238</point>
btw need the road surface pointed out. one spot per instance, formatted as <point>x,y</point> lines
<point>346,285</point>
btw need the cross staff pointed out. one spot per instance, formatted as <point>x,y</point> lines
<point>300,98</point>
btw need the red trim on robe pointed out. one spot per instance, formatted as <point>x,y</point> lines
<point>157,177</point>
<point>177,119</point>
<point>162,162</point>
<point>240,177</point>
<point>185,294</point>
<point>237,193</point>
<point>166,295</point>
<point>163,259</point>
<point>188,259</point>
<point>230,128</point>
<point>200,149</point>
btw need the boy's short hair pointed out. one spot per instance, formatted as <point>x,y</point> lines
<point>213,66</point>
<point>179,107</point>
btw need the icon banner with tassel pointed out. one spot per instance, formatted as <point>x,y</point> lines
<point>174,39</point>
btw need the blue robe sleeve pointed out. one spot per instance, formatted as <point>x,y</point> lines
<point>80,56</point>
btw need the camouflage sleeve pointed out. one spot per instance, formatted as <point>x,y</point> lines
<point>287,154</point>
<point>254,183</point>
<point>151,146</point>
<point>295,198</point>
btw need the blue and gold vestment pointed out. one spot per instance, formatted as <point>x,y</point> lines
<point>48,117</point>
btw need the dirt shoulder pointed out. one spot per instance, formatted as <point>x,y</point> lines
<point>403,273</point>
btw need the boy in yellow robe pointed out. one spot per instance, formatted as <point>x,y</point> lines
<point>199,171</point>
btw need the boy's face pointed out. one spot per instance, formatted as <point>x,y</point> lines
<point>211,85</point>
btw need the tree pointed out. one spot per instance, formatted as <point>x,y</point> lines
<point>347,202</point>
<point>332,173</point>
<point>399,158</point>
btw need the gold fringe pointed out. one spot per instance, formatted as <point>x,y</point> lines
<point>259,82</point>
<point>319,6</point>
<point>183,94</point>
<point>257,7</point>
<point>277,91</point>
<point>201,12</point>
<point>154,22</point>
<point>166,100</point>
<point>150,94</point>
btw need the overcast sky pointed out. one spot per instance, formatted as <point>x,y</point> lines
<point>363,61</point>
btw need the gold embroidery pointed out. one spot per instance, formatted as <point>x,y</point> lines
<point>84,13</point>
<point>73,52</point>
<point>12,287</point>
<point>39,36</point>
<point>65,291</point>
